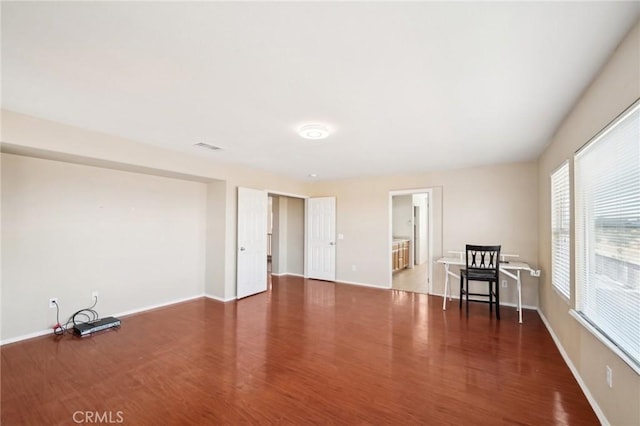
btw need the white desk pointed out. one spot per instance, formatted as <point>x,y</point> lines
<point>511,269</point>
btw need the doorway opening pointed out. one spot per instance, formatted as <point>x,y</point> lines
<point>414,229</point>
<point>288,235</point>
<point>285,235</point>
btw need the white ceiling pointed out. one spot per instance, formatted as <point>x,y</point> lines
<point>405,87</point>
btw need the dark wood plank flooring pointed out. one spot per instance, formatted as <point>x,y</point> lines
<point>304,352</point>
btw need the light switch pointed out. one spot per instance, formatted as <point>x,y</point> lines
<point>341,236</point>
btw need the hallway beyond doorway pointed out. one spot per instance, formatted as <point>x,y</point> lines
<point>415,279</point>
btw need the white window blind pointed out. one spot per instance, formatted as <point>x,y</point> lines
<point>560,243</point>
<point>607,184</point>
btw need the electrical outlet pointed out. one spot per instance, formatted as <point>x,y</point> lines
<point>94,295</point>
<point>504,283</point>
<point>354,268</point>
<point>52,302</point>
<point>609,377</point>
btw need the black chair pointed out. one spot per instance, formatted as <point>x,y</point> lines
<point>483,264</point>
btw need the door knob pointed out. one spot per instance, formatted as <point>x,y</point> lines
<point>241,248</point>
<point>332,243</point>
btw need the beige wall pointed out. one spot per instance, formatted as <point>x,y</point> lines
<point>484,205</point>
<point>69,229</point>
<point>616,87</point>
<point>422,247</point>
<point>295,236</point>
<point>402,213</point>
<point>279,237</point>
<point>216,237</point>
<point>34,137</point>
<point>288,236</point>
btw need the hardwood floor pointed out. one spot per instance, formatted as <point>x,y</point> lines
<point>304,352</point>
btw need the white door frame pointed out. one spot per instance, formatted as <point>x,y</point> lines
<point>306,208</point>
<point>430,231</point>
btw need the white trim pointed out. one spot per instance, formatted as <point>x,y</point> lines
<point>121,314</point>
<point>442,295</point>
<point>576,374</point>
<point>286,194</point>
<point>606,129</point>
<point>512,305</point>
<point>288,273</point>
<point>515,305</point>
<point>604,340</point>
<point>561,165</point>
<point>158,305</point>
<point>363,284</point>
<point>411,191</point>
<point>219,299</point>
<point>27,336</point>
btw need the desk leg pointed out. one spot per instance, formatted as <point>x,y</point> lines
<point>519,296</point>
<point>446,286</point>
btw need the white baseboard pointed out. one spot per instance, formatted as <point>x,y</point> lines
<point>156,306</point>
<point>27,336</point>
<point>514,305</point>
<point>121,314</point>
<point>362,284</point>
<point>219,299</point>
<point>574,371</point>
<point>287,273</point>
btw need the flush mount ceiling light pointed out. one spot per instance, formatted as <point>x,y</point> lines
<point>313,131</point>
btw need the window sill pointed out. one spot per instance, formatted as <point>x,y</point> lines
<point>602,338</point>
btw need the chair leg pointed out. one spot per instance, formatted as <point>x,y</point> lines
<point>461,290</point>
<point>466,293</point>
<point>490,297</point>
<point>497,300</point>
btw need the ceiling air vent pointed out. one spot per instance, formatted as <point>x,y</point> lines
<point>207,146</point>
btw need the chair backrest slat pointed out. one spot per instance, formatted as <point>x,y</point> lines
<point>483,258</point>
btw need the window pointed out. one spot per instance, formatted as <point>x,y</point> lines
<point>607,184</point>
<point>560,230</point>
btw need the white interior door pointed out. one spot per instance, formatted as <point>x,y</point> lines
<point>321,242</point>
<point>251,277</point>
